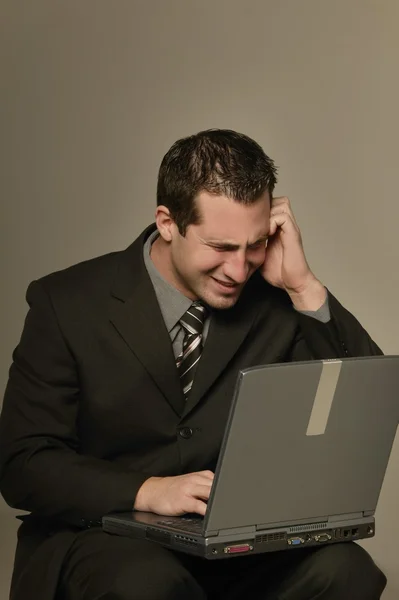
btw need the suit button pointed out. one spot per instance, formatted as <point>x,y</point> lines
<point>186,432</point>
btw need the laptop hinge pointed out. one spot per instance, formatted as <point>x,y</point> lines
<point>211,533</point>
<point>321,520</point>
<point>346,517</point>
<point>238,530</point>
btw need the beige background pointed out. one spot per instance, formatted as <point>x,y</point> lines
<point>94,92</point>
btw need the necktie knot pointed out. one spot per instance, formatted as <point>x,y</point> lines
<point>194,318</point>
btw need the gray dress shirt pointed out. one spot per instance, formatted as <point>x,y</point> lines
<point>173,304</point>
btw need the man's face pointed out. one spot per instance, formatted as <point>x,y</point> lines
<point>216,258</point>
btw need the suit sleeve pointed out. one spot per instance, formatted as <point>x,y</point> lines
<point>41,467</point>
<point>342,336</point>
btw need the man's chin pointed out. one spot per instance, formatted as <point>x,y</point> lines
<point>220,301</point>
<point>224,303</point>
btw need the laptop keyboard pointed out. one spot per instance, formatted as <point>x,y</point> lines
<point>192,524</point>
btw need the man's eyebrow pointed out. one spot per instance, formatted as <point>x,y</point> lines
<point>231,246</point>
<point>221,244</point>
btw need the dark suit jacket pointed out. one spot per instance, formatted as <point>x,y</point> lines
<point>93,406</point>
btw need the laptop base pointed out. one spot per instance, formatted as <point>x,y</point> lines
<point>214,547</point>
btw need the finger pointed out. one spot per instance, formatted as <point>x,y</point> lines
<point>196,506</point>
<point>282,204</point>
<point>280,200</point>
<point>200,491</point>
<point>285,222</point>
<point>283,209</point>
<point>201,480</point>
<point>280,208</point>
<point>207,474</point>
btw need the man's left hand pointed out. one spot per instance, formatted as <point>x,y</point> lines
<point>285,264</point>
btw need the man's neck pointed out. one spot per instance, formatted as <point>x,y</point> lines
<point>160,256</point>
<point>158,253</point>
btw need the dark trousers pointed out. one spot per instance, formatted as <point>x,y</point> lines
<point>100,566</point>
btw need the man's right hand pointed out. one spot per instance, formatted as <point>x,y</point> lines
<point>173,496</point>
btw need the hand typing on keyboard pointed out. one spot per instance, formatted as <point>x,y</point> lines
<point>174,496</point>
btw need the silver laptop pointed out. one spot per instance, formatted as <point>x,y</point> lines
<point>302,462</point>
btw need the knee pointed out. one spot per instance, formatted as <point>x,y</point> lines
<point>348,571</point>
<point>162,584</point>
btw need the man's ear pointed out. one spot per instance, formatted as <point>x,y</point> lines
<point>165,223</point>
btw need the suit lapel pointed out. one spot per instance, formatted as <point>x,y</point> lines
<point>136,315</point>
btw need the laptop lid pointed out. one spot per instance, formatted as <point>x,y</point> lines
<point>304,442</point>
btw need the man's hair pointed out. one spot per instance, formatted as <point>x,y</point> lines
<point>218,161</point>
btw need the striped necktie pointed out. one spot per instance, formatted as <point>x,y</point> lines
<point>193,323</point>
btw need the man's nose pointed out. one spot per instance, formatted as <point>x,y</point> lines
<point>237,268</point>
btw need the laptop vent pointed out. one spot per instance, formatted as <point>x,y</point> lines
<point>299,528</point>
<point>271,537</point>
<point>187,541</point>
<point>157,535</point>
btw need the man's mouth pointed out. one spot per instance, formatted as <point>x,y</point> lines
<point>226,284</point>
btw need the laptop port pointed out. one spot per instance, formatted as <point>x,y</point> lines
<point>296,541</point>
<point>238,548</point>
<point>322,537</point>
<point>355,531</point>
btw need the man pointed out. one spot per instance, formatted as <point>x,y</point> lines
<point>117,400</point>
